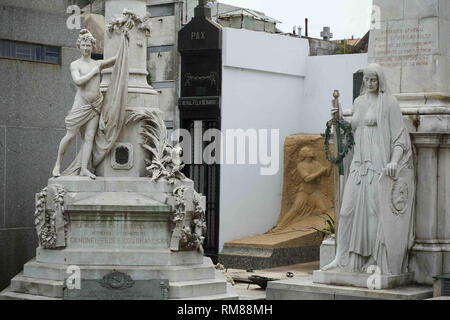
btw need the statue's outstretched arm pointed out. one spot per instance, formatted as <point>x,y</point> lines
<point>81,80</point>
<point>108,62</point>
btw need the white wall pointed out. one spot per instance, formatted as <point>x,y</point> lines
<point>270,82</point>
<point>324,74</point>
<point>262,81</point>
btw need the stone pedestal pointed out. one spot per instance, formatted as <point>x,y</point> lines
<point>146,95</point>
<point>127,156</point>
<point>119,224</point>
<point>123,230</point>
<point>361,279</point>
<point>410,42</point>
<point>303,288</point>
<point>327,251</point>
<point>409,39</point>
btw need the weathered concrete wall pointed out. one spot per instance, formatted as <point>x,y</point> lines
<point>320,47</point>
<point>57,6</point>
<point>163,31</point>
<point>34,100</point>
<point>162,55</point>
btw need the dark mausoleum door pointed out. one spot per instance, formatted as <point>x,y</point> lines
<point>200,47</point>
<point>206,179</point>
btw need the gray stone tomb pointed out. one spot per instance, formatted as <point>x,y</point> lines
<point>131,222</point>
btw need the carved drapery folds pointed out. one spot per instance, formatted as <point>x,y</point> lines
<point>165,159</point>
<point>50,219</point>
<point>187,230</point>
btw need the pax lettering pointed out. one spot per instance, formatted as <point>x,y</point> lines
<point>198,35</point>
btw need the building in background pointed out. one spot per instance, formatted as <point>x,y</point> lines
<point>168,17</point>
<point>36,93</point>
<point>247,19</point>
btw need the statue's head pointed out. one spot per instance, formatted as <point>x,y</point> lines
<point>305,153</point>
<point>374,80</point>
<point>85,42</point>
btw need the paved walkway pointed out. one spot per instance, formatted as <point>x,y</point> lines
<point>247,290</point>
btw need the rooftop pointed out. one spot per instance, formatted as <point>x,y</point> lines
<point>247,13</point>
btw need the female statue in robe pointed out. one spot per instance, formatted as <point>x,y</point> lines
<point>376,220</point>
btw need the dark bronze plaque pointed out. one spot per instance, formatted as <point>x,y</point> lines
<point>119,286</point>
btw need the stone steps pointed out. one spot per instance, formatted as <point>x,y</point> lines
<point>7,294</point>
<point>229,295</point>
<point>197,288</point>
<point>52,271</point>
<point>303,288</point>
<point>30,288</point>
<point>34,286</point>
<point>24,288</point>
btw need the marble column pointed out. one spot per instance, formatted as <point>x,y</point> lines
<point>141,96</point>
<point>410,40</point>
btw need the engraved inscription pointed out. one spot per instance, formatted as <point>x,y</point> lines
<point>100,234</point>
<point>402,47</point>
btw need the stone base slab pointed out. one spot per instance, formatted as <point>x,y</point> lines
<point>200,282</point>
<point>58,272</point>
<point>163,257</point>
<point>117,184</point>
<point>360,279</point>
<point>78,187</point>
<point>305,289</point>
<point>262,258</point>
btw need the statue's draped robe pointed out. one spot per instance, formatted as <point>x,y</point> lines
<point>361,232</point>
<point>112,114</point>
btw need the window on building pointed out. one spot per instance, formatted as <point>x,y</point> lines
<point>29,52</point>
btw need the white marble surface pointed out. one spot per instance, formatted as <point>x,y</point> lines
<point>422,85</point>
<point>412,45</point>
<point>304,289</point>
<point>360,279</point>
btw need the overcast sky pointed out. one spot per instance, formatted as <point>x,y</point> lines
<point>345,17</point>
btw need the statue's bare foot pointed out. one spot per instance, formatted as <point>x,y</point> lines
<point>56,171</point>
<point>333,265</point>
<point>87,173</point>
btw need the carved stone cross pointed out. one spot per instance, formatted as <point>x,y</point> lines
<point>326,34</point>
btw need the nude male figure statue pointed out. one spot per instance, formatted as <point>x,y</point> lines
<point>84,115</point>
